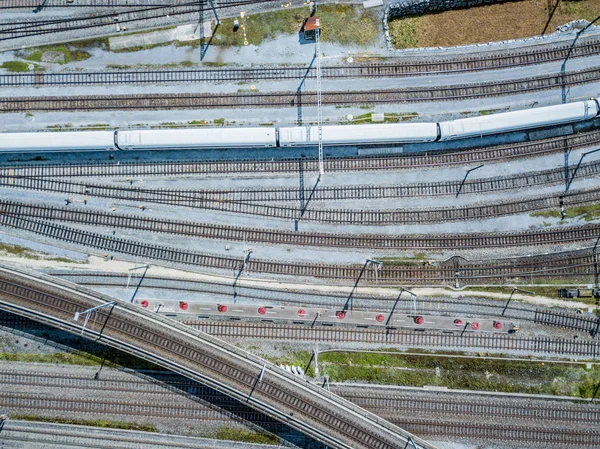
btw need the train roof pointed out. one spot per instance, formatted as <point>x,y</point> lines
<point>76,140</point>
<point>181,138</point>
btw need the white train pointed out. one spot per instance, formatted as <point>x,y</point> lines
<point>299,136</point>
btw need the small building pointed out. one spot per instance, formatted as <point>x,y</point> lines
<point>310,27</point>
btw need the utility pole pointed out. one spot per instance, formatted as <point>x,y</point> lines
<point>319,99</point>
<point>89,312</point>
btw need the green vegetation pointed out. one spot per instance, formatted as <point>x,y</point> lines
<point>95,126</point>
<point>15,66</point>
<point>297,358</point>
<point>63,358</point>
<point>70,53</point>
<point>141,47</point>
<point>86,422</point>
<point>584,10</point>
<point>415,259</point>
<point>233,434</point>
<point>26,253</point>
<point>588,212</point>
<point>100,42</point>
<point>219,121</point>
<point>403,32</point>
<point>217,64</point>
<point>462,373</point>
<point>540,290</point>
<point>335,23</point>
<point>489,111</point>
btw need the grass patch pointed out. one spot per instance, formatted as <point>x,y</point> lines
<point>70,53</point>
<point>86,422</point>
<point>141,47</point>
<point>247,436</point>
<point>500,21</point>
<point>335,20</point>
<point>540,290</point>
<point>15,66</point>
<point>462,373</point>
<point>405,33</point>
<point>219,121</point>
<point>296,358</point>
<point>63,358</point>
<point>26,253</point>
<point>216,64</point>
<point>100,42</point>
<point>415,259</point>
<point>95,127</point>
<point>588,212</point>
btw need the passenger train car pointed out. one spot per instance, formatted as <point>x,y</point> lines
<point>299,136</point>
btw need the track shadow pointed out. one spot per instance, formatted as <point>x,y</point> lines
<point>208,397</point>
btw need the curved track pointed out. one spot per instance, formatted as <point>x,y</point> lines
<point>562,235</point>
<point>309,409</point>
<point>14,178</point>
<point>385,402</point>
<point>576,264</point>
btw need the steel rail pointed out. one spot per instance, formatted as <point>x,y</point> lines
<point>457,241</point>
<point>290,99</point>
<point>13,178</point>
<point>18,30</point>
<point>357,216</point>
<point>395,337</point>
<point>309,409</point>
<point>403,68</point>
<point>258,167</point>
<point>453,272</point>
<point>385,403</point>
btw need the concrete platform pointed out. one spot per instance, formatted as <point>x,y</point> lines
<point>181,33</point>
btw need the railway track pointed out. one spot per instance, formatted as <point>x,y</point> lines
<point>456,64</point>
<point>58,436</point>
<point>476,408</point>
<point>165,389</point>
<point>562,235</point>
<point>568,320</point>
<point>187,11</point>
<point>507,433</point>
<point>307,408</point>
<point>258,167</point>
<point>288,99</point>
<point>576,264</point>
<point>222,291</point>
<point>407,216</point>
<point>396,337</point>
<point>10,177</point>
<point>33,4</point>
<point>470,405</point>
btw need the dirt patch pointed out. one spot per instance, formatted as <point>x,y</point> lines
<point>496,22</point>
